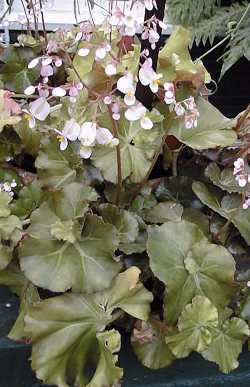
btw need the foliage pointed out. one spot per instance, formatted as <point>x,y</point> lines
<point>209,20</point>
<point>95,235</point>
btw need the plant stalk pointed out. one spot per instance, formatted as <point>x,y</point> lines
<point>118,160</point>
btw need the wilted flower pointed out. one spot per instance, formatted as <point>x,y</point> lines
<point>10,105</point>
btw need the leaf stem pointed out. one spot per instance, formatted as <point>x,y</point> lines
<point>118,160</point>
<point>175,155</point>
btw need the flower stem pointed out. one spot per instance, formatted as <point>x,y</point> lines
<point>118,160</point>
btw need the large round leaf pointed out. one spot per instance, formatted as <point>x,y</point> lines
<point>87,265</point>
<point>195,326</point>
<point>213,128</point>
<point>189,265</point>
<point>137,147</point>
<point>66,332</point>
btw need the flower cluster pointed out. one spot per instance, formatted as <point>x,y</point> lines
<point>241,176</point>
<point>8,187</point>
<point>88,134</point>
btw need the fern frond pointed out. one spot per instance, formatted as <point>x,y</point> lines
<point>237,47</point>
<point>217,25</point>
<point>190,12</point>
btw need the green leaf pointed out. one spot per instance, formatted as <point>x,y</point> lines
<point>87,265</point>
<point>5,256</point>
<point>213,129</point>
<point>224,179</point>
<point>107,373</point>
<point>57,217</point>
<point>64,336</point>
<point>137,147</point>
<point>15,73</point>
<point>149,345</point>
<point>124,221</point>
<point>197,217</point>
<point>68,332</point>
<point>56,168</point>
<point>128,294</point>
<point>194,328</point>
<point>29,198</point>
<point>10,227</point>
<point>229,206</point>
<point>83,65</point>
<point>30,138</point>
<point>28,295</point>
<point>189,265</point>
<point>227,344</point>
<point>5,200</point>
<point>163,212</point>
<point>175,61</point>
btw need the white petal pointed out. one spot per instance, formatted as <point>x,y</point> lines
<point>87,134</point>
<point>146,123</point>
<point>58,62</point>
<point>154,87</point>
<point>83,51</point>
<point>71,130</point>
<point>29,90</point>
<point>145,76</point>
<point>135,112</point>
<point>110,69</point>
<point>116,116</point>
<point>129,99</point>
<point>148,4</point>
<point>46,61</point>
<point>32,122</point>
<point>162,25</point>
<point>103,136</point>
<point>58,92</point>
<point>33,63</point>
<point>85,152</point>
<point>125,83</point>
<point>100,53</point>
<point>40,109</point>
<point>63,144</point>
<point>107,100</point>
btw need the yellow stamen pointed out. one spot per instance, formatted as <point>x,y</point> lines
<point>27,117</point>
<point>157,81</point>
<point>60,138</point>
<point>130,93</point>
